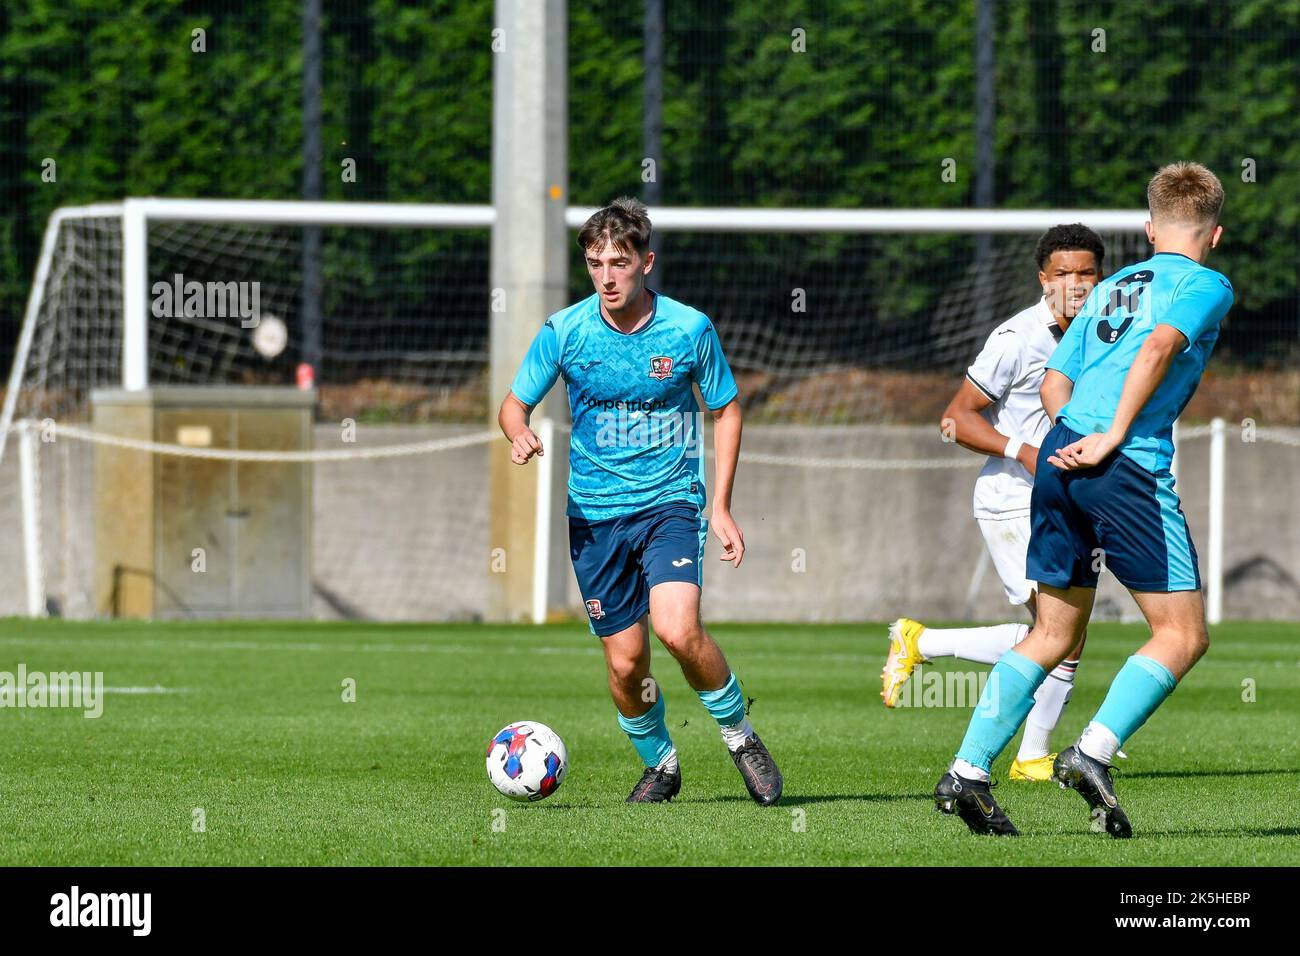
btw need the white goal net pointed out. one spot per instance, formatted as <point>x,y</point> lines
<point>227,288</point>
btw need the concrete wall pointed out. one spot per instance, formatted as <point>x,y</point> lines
<point>881,544</point>
<point>402,538</point>
<point>408,538</point>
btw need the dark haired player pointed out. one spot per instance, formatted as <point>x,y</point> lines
<point>998,412</point>
<point>629,357</point>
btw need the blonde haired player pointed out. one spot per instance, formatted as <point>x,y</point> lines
<point>998,412</point>
<point>1122,374</point>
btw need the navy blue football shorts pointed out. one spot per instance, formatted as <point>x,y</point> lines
<point>1116,513</point>
<point>618,561</point>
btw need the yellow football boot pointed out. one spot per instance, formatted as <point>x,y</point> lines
<point>1038,770</point>
<point>903,657</point>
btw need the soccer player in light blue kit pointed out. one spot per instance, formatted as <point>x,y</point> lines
<point>629,357</point>
<point>1121,375</point>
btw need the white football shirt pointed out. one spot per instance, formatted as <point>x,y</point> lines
<point>1009,371</point>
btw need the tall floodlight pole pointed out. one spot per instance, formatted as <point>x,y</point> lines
<point>529,274</point>
<point>985,112</point>
<point>312,159</point>
<point>652,122</point>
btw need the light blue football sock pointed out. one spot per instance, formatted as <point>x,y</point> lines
<point>1004,704</point>
<point>726,704</point>
<point>649,733</point>
<point>1141,686</point>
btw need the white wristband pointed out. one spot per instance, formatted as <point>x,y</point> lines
<point>1013,448</point>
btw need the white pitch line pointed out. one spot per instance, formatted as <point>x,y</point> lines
<point>102,642</point>
<point>155,689</point>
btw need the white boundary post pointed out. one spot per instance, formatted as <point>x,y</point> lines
<point>31,508</point>
<point>1218,443</point>
<point>135,299</point>
<point>542,534</point>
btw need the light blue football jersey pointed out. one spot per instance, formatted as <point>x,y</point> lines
<point>1102,343</point>
<point>636,438</point>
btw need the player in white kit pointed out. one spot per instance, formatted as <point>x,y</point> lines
<point>997,412</point>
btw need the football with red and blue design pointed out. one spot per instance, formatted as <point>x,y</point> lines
<point>527,761</point>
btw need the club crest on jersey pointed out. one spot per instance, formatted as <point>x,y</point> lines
<point>594,610</point>
<point>661,366</point>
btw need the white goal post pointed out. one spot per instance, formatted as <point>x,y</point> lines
<point>138,217</point>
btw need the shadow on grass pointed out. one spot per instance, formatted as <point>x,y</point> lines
<point>1182,774</point>
<point>1083,834</point>
<point>798,800</point>
<point>787,800</point>
<point>1224,832</point>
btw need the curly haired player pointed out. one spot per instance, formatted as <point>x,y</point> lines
<point>998,412</point>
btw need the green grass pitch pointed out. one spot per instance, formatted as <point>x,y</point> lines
<point>253,730</point>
